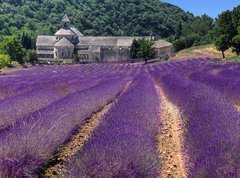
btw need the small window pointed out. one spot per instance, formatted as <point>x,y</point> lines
<point>65,25</point>
<point>62,53</point>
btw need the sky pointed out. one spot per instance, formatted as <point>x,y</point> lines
<point>209,7</point>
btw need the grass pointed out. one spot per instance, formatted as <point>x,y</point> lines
<point>233,59</point>
<point>202,51</point>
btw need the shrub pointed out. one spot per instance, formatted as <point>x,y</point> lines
<point>4,60</point>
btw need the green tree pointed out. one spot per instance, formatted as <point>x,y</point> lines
<point>145,49</point>
<point>142,49</point>
<point>222,43</point>
<point>178,31</point>
<point>11,46</point>
<point>236,42</point>
<point>4,60</point>
<point>31,56</point>
<point>134,49</point>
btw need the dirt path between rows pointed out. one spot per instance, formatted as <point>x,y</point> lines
<point>170,140</point>
<point>238,108</point>
<point>77,142</point>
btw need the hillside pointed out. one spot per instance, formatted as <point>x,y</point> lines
<point>201,51</point>
<point>92,17</point>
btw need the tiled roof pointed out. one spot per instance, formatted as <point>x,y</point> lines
<point>74,30</point>
<point>107,40</point>
<point>63,32</point>
<point>65,18</point>
<point>45,40</point>
<point>64,42</point>
<point>162,44</point>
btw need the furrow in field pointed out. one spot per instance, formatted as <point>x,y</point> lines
<point>238,107</point>
<point>30,143</point>
<point>77,142</point>
<point>170,139</point>
<point>124,143</point>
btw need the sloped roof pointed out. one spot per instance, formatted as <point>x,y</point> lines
<point>74,30</point>
<point>65,18</point>
<point>162,44</point>
<point>45,40</point>
<point>64,42</point>
<point>107,40</point>
<point>64,32</point>
<point>98,41</point>
<point>126,41</point>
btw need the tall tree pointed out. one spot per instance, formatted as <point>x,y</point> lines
<point>236,42</point>
<point>178,31</point>
<point>222,43</point>
<point>11,46</point>
<point>224,31</point>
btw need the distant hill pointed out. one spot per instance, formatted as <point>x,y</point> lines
<point>91,17</point>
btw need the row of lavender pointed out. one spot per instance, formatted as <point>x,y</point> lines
<point>32,121</point>
<point>42,95</point>
<point>206,94</point>
<point>124,143</point>
<point>36,78</point>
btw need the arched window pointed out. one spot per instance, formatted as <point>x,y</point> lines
<point>65,25</point>
<point>62,53</point>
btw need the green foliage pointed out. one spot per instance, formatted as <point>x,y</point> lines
<point>236,44</point>
<point>11,46</point>
<point>134,49</point>
<point>26,40</point>
<point>193,33</point>
<point>142,49</point>
<point>92,17</point>
<point>4,60</point>
<point>179,29</point>
<point>222,43</point>
<point>227,31</point>
<point>31,56</point>
<point>185,42</point>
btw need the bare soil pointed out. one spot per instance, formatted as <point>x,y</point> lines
<point>170,140</point>
<point>238,107</point>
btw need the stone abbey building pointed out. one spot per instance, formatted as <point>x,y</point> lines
<point>69,43</point>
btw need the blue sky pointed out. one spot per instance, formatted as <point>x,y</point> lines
<point>209,7</point>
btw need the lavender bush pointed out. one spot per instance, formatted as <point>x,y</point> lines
<point>124,144</point>
<point>212,127</point>
<point>32,141</point>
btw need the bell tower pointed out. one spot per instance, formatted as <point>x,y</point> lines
<point>65,22</point>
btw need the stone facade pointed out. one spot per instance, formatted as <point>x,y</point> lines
<point>68,43</point>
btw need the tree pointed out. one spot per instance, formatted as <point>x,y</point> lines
<point>4,60</point>
<point>134,49</point>
<point>225,31</point>
<point>236,42</point>
<point>142,49</point>
<point>145,49</point>
<point>178,31</point>
<point>31,56</point>
<point>11,46</point>
<point>222,43</point>
<point>26,40</point>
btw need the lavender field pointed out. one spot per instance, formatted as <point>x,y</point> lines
<point>175,119</point>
